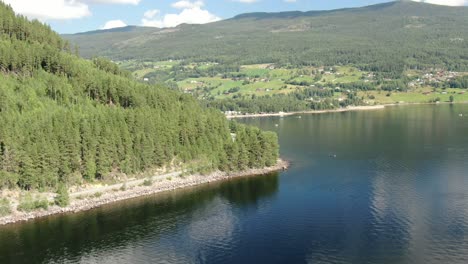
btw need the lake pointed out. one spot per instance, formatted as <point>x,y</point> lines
<point>383,186</point>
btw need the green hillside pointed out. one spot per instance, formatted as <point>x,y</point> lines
<point>387,37</point>
<point>69,120</point>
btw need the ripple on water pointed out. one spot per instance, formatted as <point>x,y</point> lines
<point>397,192</point>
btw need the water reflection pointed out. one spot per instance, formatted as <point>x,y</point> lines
<point>428,205</point>
<point>408,191</point>
<point>166,226</point>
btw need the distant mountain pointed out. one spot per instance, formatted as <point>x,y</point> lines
<point>126,29</point>
<point>377,37</point>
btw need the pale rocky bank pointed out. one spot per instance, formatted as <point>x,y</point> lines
<point>115,192</point>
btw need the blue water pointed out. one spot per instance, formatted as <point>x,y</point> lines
<point>396,192</point>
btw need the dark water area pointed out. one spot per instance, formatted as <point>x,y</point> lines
<point>384,186</point>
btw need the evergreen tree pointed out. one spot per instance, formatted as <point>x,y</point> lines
<point>66,120</point>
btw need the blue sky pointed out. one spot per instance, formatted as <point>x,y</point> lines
<point>71,16</point>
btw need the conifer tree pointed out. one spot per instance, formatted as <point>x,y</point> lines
<point>66,120</point>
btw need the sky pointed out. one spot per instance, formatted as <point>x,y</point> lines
<point>72,16</point>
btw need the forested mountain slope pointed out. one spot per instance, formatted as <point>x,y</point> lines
<point>66,119</point>
<point>384,37</point>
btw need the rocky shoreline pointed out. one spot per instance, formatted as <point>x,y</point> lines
<point>169,184</point>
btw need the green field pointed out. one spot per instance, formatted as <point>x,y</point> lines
<point>343,75</point>
<point>423,95</point>
<point>205,80</point>
<point>257,79</point>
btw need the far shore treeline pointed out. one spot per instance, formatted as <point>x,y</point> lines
<point>68,120</point>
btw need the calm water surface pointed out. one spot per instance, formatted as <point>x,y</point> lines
<point>396,192</point>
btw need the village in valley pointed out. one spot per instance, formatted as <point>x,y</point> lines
<point>211,81</point>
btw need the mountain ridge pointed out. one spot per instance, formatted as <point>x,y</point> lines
<point>280,14</point>
<point>128,28</point>
<point>404,33</point>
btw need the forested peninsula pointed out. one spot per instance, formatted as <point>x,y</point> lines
<point>67,121</point>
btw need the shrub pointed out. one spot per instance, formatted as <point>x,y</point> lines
<point>62,198</point>
<point>41,204</point>
<point>28,203</point>
<point>148,182</point>
<point>5,208</point>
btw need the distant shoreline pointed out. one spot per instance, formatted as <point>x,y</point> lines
<point>340,110</point>
<point>115,193</point>
<point>347,109</point>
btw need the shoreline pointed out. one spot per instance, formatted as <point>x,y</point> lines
<point>340,110</point>
<point>347,109</point>
<point>114,194</point>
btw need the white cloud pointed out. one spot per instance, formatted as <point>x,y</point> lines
<point>132,2</point>
<point>246,1</point>
<point>444,2</point>
<point>114,24</point>
<point>187,4</point>
<point>151,13</point>
<point>192,13</point>
<point>50,9</point>
<point>290,1</point>
<point>59,9</point>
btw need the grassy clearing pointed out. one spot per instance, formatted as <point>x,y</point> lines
<point>255,72</point>
<point>29,203</point>
<point>139,74</point>
<point>343,74</point>
<point>423,95</point>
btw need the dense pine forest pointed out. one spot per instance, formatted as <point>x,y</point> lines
<point>65,120</point>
